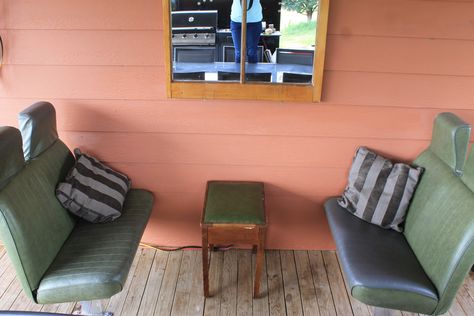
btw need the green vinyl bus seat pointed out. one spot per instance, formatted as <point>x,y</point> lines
<point>421,269</point>
<point>57,257</point>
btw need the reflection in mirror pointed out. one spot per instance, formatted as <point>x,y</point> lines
<point>198,47</point>
<point>298,38</point>
<point>205,37</point>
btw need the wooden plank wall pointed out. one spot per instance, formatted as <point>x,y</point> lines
<point>391,66</point>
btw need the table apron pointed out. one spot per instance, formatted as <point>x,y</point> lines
<point>245,235</point>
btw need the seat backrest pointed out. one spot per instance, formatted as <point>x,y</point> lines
<point>297,78</point>
<point>33,224</point>
<point>194,54</point>
<point>198,75</point>
<point>294,56</point>
<point>440,221</point>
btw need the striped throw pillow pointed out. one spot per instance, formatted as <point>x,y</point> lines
<point>92,190</point>
<point>379,191</point>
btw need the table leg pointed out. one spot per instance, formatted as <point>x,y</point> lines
<point>259,262</point>
<point>205,262</point>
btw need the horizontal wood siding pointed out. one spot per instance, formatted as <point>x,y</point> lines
<point>391,66</point>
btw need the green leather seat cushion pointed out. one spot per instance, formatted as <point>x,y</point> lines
<point>234,203</point>
<point>379,265</point>
<point>94,261</point>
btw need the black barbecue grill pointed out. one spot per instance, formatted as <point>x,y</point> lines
<point>196,28</point>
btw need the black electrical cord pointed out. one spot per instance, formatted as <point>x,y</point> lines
<point>1,51</point>
<point>171,248</point>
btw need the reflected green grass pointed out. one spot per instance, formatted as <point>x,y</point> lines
<point>298,35</point>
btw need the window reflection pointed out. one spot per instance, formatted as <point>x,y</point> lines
<point>203,48</point>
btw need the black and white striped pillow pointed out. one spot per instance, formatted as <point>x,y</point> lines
<point>379,191</point>
<point>92,190</point>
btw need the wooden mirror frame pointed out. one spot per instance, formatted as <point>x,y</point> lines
<point>251,91</point>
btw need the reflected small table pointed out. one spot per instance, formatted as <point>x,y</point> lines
<point>234,212</point>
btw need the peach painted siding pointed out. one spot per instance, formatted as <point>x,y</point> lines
<point>391,66</point>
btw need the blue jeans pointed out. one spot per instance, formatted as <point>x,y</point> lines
<point>254,30</point>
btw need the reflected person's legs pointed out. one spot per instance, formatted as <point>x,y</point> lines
<point>253,37</point>
<point>236,29</point>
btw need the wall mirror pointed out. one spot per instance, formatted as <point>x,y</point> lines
<point>275,51</point>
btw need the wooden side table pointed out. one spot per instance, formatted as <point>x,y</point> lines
<point>234,212</point>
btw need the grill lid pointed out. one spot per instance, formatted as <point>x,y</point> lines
<point>194,19</point>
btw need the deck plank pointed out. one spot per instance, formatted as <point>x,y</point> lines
<point>138,282</point>
<point>290,283</point>
<point>4,263</point>
<point>321,284</point>
<point>466,301</point>
<point>153,284</point>
<point>213,303</point>
<point>260,304</point>
<point>336,283</point>
<point>293,283</point>
<point>10,295</point>
<point>358,308</point>
<point>50,308</point>
<point>307,290</point>
<point>276,295</point>
<point>386,312</point>
<point>6,279</point>
<point>168,287</point>
<point>469,284</point>
<point>229,284</point>
<point>116,302</point>
<point>456,309</point>
<point>195,305</point>
<point>244,283</point>
<point>183,286</point>
<point>24,303</point>
<point>66,308</point>
<point>3,252</point>
<point>462,305</point>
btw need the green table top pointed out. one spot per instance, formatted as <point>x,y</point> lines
<point>234,203</point>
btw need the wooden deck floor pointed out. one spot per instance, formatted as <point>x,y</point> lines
<point>169,283</point>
